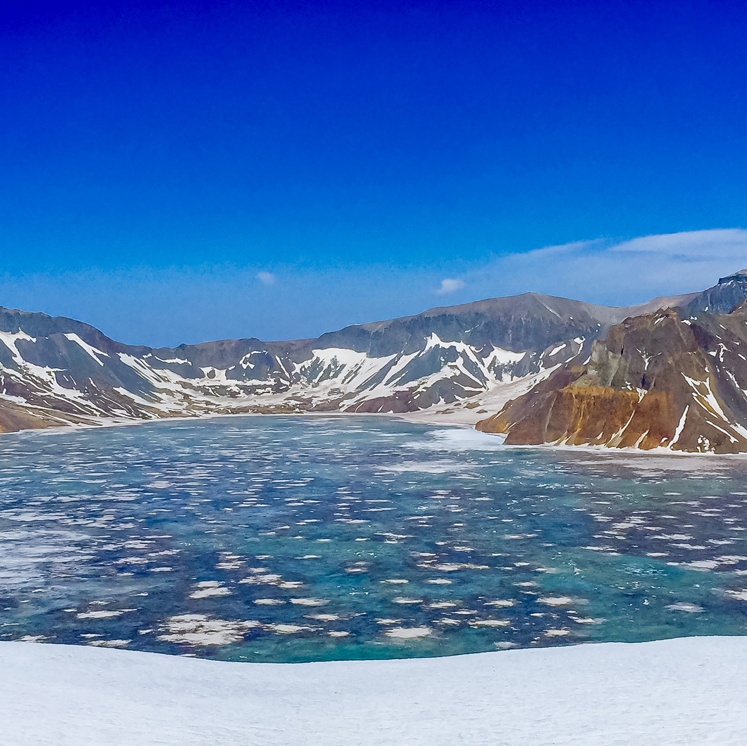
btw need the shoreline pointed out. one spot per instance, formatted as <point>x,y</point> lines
<point>676,692</point>
<point>419,417</point>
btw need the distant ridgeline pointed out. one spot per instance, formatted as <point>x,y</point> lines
<point>670,373</point>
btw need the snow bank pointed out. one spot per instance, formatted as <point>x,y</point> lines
<point>676,692</point>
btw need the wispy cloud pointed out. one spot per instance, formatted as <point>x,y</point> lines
<point>617,272</point>
<point>266,277</point>
<point>700,245</point>
<point>449,285</point>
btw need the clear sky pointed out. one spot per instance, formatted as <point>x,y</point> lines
<point>181,171</point>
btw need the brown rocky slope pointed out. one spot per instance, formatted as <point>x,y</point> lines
<point>656,381</point>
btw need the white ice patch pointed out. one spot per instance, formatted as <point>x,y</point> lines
<point>92,351</point>
<point>286,629</point>
<point>103,614</point>
<point>460,439</point>
<point>555,600</point>
<point>210,588</point>
<point>680,426</point>
<point>9,340</point>
<point>454,566</point>
<point>408,633</point>
<point>426,467</point>
<point>686,607</point>
<point>199,630</point>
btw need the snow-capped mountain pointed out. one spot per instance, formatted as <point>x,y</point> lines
<point>674,379</point>
<point>57,371</point>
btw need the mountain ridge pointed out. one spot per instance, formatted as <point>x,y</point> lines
<point>55,370</point>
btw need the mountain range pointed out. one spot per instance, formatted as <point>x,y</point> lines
<point>537,368</point>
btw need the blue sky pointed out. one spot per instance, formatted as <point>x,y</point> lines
<point>176,172</point>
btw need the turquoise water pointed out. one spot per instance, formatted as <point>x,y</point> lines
<point>291,538</point>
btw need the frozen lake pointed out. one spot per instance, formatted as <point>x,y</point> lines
<point>294,539</point>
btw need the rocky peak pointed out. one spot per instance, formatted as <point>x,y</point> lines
<point>721,298</point>
<point>741,275</point>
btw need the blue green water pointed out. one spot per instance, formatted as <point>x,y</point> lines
<point>290,538</point>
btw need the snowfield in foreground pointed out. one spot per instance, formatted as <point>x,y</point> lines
<point>688,691</point>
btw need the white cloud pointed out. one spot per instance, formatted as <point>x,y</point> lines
<point>617,272</point>
<point>266,277</point>
<point>729,242</point>
<point>449,285</point>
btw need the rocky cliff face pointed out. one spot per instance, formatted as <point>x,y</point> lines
<point>661,380</point>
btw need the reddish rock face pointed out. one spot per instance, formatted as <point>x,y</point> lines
<point>656,381</point>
